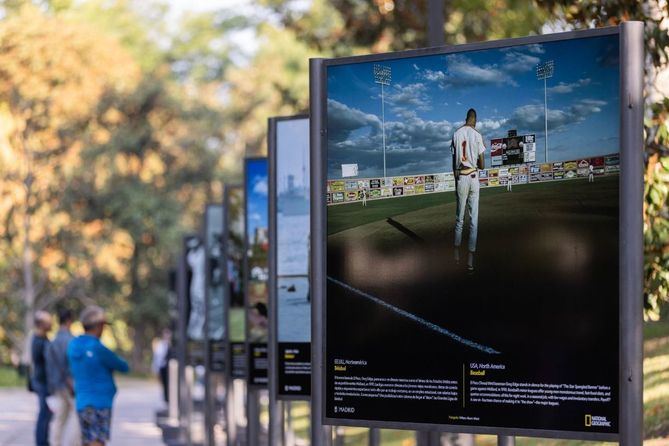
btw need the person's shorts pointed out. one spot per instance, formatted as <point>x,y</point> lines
<point>95,424</point>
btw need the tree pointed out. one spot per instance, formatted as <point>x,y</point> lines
<point>655,15</point>
<point>342,27</point>
<point>110,148</point>
<point>140,184</point>
<point>276,82</point>
<point>52,75</point>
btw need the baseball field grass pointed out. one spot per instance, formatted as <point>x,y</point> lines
<point>494,203</point>
<point>237,324</point>
<point>393,222</point>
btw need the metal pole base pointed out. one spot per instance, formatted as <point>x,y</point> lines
<point>452,439</point>
<point>428,438</point>
<point>505,440</point>
<point>374,437</point>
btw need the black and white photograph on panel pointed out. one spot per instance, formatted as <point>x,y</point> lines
<point>292,252</point>
<point>257,247</point>
<point>472,237</point>
<point>215,217</point>
<point>194,252</point>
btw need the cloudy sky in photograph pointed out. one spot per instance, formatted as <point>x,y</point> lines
<point>292,153</point>
<point>429,97</point>
<point>256,195</point>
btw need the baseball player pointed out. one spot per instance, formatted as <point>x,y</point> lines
<point>468,149</point>
<point>591,174</point>
<point>509,183</point>
<point>364,197</point>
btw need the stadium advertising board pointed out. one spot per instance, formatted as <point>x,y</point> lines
<point>234,286</point>
<point>289,266</point>
<point>489,301</point>
<point>256,242</point>
<point>216,321</point>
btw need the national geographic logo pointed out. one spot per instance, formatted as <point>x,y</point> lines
<point>596,421</point>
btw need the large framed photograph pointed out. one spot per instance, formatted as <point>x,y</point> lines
<point>469,225</point>
<point>256,241</point>
<point>290,300</point>
<point>234,285</point>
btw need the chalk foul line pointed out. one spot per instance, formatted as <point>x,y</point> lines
<point>417,319</point>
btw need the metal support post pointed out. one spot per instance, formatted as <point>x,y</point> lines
<point>320,434</point>
<point>631,234</point>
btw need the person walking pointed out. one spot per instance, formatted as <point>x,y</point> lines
<point>467,150</point>
<point>65,428</point>
<point>38,378</point>
<point>92,366</point>
<point>160,362</point>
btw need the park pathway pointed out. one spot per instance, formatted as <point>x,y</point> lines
<point>133,419</point>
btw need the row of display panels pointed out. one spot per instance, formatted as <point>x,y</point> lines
<point>228,270</point>
<point>462,307</point>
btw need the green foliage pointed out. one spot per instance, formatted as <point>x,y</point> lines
<point>342,27</point>
<point>200,52</point>
<point>656,235</point>
<point>124,157</point>
<point>151,180</point>
<point>134,27</point>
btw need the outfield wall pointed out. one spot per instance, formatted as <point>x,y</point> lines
<point>341,191</point>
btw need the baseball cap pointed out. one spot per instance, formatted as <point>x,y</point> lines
<point>92,315</point>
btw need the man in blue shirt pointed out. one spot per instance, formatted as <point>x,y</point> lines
<point>92,366</point>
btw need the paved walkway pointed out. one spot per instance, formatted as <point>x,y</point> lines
<point>133,419</point>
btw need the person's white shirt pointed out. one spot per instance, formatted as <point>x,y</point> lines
<point>467,145</point>
<point>160,350</point>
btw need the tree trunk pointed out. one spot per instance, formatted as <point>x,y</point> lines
<point>139,342</point>
<point>139,349</point>
<point>27,264</point>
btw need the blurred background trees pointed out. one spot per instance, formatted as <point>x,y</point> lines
<point>119,120</point>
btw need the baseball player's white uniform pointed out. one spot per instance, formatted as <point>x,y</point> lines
<point>467,146</point>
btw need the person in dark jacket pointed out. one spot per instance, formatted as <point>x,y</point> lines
<point>64,426</point>
<point>38,378</point>
<point>92,366</point>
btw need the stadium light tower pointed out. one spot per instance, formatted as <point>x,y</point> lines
<point>382,76</point>
<point>545,71</point>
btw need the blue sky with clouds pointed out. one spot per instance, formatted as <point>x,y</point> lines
<point>293,153</point>
<point>256,195</point>
<point>429,97</point>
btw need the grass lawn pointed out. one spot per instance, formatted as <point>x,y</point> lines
<point>9,377</point>
<point>352,436</point>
